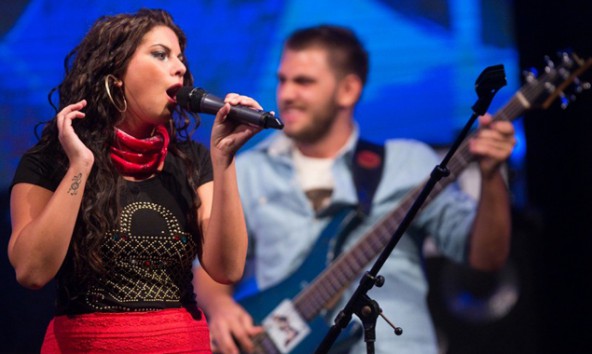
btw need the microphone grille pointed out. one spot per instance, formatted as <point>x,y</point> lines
<point>190,98</point>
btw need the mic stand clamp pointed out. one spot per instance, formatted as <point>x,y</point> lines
<point>487,84</point>
<point>367,310</point>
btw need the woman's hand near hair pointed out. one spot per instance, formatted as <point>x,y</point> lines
<point>76,151</point>
<point>43,221</point>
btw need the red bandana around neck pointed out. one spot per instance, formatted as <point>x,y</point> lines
<point>139,158</point>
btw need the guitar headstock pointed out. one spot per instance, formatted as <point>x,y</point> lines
<point>558,79</point>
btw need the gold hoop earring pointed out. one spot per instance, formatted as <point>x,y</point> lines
<point>117,81</point>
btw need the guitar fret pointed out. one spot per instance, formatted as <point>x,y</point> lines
<point>503,115</point>
<point>383,230</point>
<point>357,259</point>
<point>462,158</point>
<point>332,281</point>
<point>383,233</point>
<point>349,272</point>
<point>348,267</point>
<point>310,305</point>
<point>340,275</point>
<point>325,296</point>
<point>374,244</point>
<point>264,345</point>
<point>367,250</point>
<point>302,304</point>
<point>514,109</point>
<point>316,301</point>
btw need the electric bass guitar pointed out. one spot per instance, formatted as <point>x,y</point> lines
<point>291,312</point>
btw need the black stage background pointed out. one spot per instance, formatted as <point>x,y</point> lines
<point>552,233</point>
<point>559,167</point>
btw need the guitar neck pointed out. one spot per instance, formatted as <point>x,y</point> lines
<point>349,265</point>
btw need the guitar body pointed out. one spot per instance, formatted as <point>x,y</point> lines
<point>260,307</point>
<point>264,303</point>
<point>261,304</point>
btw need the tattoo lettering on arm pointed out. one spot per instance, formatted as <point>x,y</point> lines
<point>75,184</point>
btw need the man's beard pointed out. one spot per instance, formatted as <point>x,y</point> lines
<point>317,129</point>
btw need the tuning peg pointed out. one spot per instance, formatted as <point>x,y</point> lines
<point>549,64</point>
<point>531,74</point>
<point>565,73</point>
<point>566,58</point>
<point>579,87</point>
<point>583,86</point>
<point>550,87</point>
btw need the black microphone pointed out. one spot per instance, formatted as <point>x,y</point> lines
<point>197,100</point>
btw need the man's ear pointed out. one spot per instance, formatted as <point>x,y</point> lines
<point>349,91</point>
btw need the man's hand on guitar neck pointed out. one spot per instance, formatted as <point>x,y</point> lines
<point>489,245</point>
<point>230,325</point>
<point>492,144</point>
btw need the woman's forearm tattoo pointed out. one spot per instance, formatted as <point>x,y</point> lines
<point>75,184</point>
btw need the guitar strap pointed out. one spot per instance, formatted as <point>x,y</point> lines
<point>367,167</point>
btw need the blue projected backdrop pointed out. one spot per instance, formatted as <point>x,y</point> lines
<point>425,57</point>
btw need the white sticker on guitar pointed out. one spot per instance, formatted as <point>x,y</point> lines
<point>285,326</point>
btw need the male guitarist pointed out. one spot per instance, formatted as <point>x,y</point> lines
<point>321,77</point>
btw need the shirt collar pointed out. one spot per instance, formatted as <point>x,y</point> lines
<point>279,144</point>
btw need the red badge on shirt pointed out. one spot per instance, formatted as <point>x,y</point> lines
<point>368,159</point>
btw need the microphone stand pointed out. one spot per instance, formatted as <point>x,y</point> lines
<point>487,84</point>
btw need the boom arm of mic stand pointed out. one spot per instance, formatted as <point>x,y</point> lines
<point>487,85</point>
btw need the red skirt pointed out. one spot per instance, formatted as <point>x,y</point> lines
<point>163,331</point>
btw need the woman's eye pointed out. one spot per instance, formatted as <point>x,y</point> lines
<point>159,55</point>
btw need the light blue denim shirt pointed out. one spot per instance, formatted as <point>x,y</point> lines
<point>283,227</point>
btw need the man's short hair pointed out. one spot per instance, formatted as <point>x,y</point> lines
<point>346,52</point>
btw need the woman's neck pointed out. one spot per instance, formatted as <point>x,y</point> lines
<point>139,131</point>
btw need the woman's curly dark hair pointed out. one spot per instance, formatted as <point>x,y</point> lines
<point>107,49</point>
